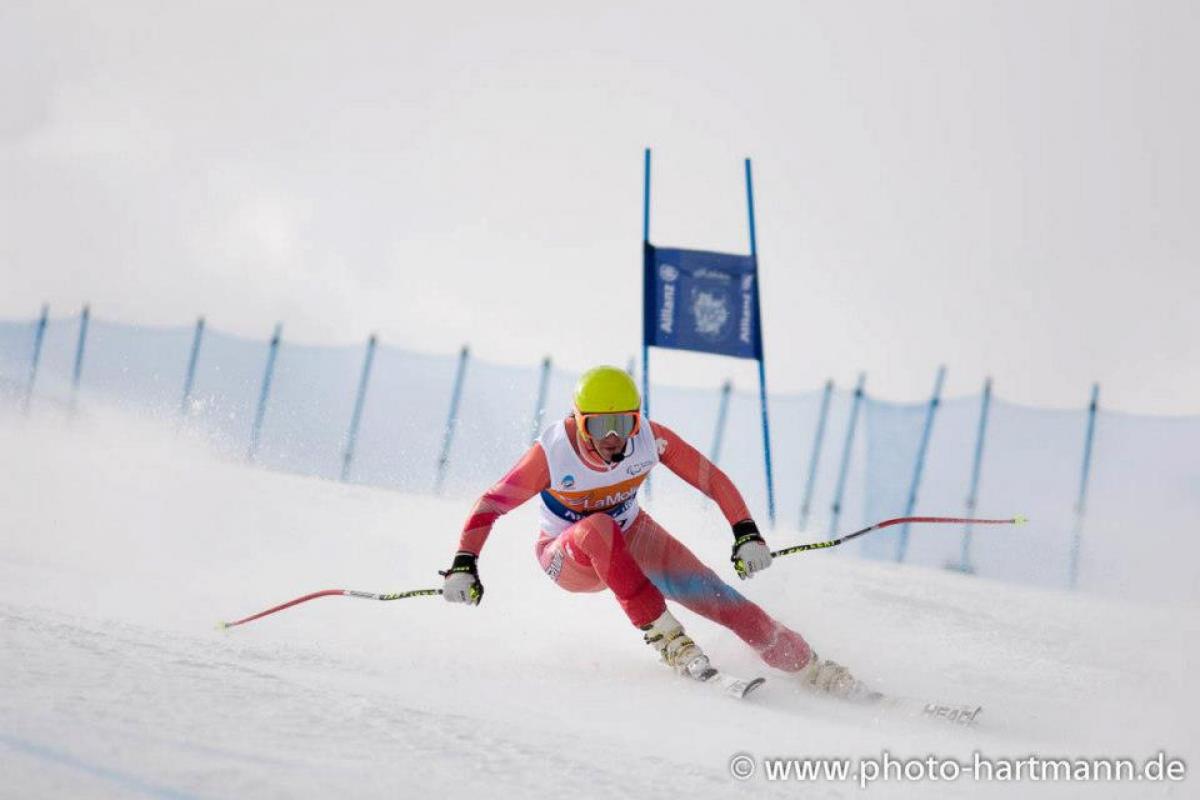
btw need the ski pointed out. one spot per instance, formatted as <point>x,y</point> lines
<point>952,713</point>
<point>728,685</point>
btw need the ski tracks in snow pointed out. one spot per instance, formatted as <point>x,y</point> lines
<point>98,708</point>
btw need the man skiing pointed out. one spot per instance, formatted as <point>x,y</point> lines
<point>587,469</point>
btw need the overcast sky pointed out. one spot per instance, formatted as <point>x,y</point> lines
<point>1008,188</point>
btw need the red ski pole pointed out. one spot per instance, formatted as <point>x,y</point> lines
<point>332,593</point>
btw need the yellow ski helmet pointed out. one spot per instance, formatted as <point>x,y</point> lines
<point>606,389</point>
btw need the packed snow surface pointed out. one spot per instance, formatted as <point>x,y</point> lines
<point>122,545</point>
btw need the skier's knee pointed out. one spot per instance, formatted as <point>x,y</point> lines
<point>598,534</point>
<point>786,650</point>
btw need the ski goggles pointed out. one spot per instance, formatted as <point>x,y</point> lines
<point>597,426</point>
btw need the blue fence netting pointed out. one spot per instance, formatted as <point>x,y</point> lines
<point>1143,494</point>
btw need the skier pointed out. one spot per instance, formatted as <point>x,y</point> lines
<point>587,469</point>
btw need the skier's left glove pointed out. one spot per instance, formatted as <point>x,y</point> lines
<point>750,553</point>
<point>462,580</point>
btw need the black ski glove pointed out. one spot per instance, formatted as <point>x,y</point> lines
<point>462,580</point>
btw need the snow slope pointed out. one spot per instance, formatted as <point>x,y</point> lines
<point>121,545</point>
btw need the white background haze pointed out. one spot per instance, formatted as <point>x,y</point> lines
<point>1009,188</point>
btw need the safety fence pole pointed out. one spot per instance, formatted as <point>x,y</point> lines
<point>964,561</point>
<point>815,458</point>
<point>919,466</point>
<point>264,394</point>
<point>39,335</point>
<point>190,378</point>
<point>847,450</point>
<point>360,398</point>
<point>539,407</point>
<point>1077,533</point>
<point>81,344</point>
<point>451,421</point>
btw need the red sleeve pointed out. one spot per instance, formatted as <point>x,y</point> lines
<point>687,462</point>
<point>529,476</point>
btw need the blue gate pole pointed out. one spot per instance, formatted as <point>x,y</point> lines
<point>264,393</point>
<point>919,467</point>
<point>722,413</point>
<point>762,366</point>
<point>39,335</point>
<point>451,421</point>
<point>847,449</point>
<point>539,408</point>
<point>359,399</point>
<point>1077,533</point>
<point>77,374</point>
<point>190,379</point>
<point>964,561</point>
<point>815,458</point>
<point>647,300</point>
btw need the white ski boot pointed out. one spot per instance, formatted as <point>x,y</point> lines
<point>675,648</point>
<point>827,676</point>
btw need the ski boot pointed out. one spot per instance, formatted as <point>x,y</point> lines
<point>832,678</point>
<point>675,648</point>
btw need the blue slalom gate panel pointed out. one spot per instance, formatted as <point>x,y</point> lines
<point>702,301</point>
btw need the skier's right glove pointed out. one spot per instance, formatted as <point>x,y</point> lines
<point>462,580</point>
